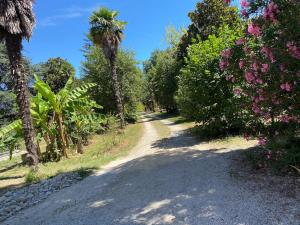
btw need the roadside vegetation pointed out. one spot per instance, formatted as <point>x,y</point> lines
<point>101,150</point>
<point>53,122</point>
<point>230,75</point>
<point>235,73</point>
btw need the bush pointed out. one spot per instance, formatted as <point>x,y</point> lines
<point>32,177</point>
<point>204,94</point>
<point>264,67</point>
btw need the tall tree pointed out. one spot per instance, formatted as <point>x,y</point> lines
<point>17,22</point>
<point>160,72</point>
<point>107,32</point>
<point>206,19</point>
<point>56,72</point>
<point>96,69</point>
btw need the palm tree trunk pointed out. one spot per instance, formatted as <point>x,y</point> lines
<point>117,91</point>
<point>14,48</point>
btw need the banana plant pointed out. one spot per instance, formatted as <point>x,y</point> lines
<point>82,125</point>
<point>52,112</point>
<point>9,136</point>
<point>65,101</point>
<point>43,122</point>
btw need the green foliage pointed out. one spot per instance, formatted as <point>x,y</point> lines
<point>14,126</point>
<point>160,77</point>
<point>208,17</point>
<point>281,155</point>
<point>9,137</point>
<point>8,107</point>
<point>32,177</point>
<point>56,72</point>
<point>96,69</point>
<point>204,93</point>
<point>106,31</point>
<point>6,80</point>
<point>57,117</point>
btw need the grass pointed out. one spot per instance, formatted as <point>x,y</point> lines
<point>102,149</point>
<point>177,119</point>
<point>229,142</point>
<point>162,130</point>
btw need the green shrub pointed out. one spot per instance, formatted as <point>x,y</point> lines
<point>32,177</point>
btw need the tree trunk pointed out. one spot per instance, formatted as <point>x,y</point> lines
<point>62,135</point>
<point>79,146</point>
<point>117,91</point>
<point>14,48</point>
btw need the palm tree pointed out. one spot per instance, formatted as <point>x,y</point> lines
<point>17,22</point>
<point>107,32</point>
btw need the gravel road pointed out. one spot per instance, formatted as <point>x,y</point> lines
<point>173,181</point>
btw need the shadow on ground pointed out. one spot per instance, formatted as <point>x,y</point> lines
<point>176,185</point>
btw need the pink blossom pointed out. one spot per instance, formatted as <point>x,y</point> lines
<point>285,118</point>
<point>256,109</point>
<point>254,29</point>
<point>261,98</point>
<point>244,13</point>
<point>275,101</point>
<point>286,86</point>
<point>230,78</point>
<point>223,64</point>
<point>242,64</point>
<point>249,76</point>
<point>268,54</point>
<point>262,141</point>
<point>266,116</point>
<point>256,99</point>
<point>260,91</point>
<point>259,81</point>
<point>270,12</point>
<point>247,50</point>
<point>240,41</point>
<point>244,3</point>
<point>227,53</point>
<point>293,50</point>
<point>269,155</point>
<point>237,91</point>
<point>255,66</point>
<point>264,67</point>
<point>282,68</point>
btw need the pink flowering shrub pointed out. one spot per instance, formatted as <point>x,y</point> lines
<point>265,65</point>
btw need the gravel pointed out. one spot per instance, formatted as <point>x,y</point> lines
<point>18,199</point>
<point>165,182</point>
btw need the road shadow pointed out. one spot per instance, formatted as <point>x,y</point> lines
<point>178,184</point>
<point>173,187</point>
<point>180,139</point>
<point>10,167</point>
<point>10,177</point>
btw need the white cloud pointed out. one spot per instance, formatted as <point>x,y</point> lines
<point>68,13</point>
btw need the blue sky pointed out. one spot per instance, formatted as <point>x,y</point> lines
<point>62,26</point>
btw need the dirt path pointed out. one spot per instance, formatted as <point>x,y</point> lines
<point>174,181</point>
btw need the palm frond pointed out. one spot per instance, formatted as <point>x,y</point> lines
<point>17,17</point>
<point>106,31</point>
